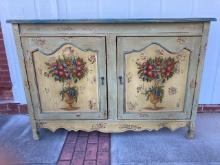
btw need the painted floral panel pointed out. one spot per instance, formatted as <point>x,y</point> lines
<point>155,79</point>
<point>67,79</point>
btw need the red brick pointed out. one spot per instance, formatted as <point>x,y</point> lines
<point>5,77</point>
<point>23,109</point>
<point>83,133</point>
<point>67,151</point>
<point>104,143</point>
<point>13,106</point>
<point>5,94</point>
<point>93,138</point>
<point>211,107</point>
<point>103,158</point>
<point>200,108</point>
<point>104,134</point>
<point>90,162</point>
<point>95,133</point>
<point>81,143</point>
<point>10,112</point>
<point>3,107</point>
<point>4,73</point>
<point>1,41</point>
<point>4,67</point>
<point>5,84</point>
<point>63,162</point>
<point>78,158</point>
<point>91,152</point>
<point>3,61</point>
<point>2,54</point>
<point>2,50</point>
<point>72,137</point>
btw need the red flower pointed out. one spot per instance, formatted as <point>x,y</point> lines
<point>78,68</point>
<point>169,68</point>
<point>61,73</point>
<point>67,75</point>
<point>150,73</point>
<point>150,67</point>
<point>60,67</point>
<point>78,63</point>
<point>55,72</point>
<point>167,74</point>
<point>78,74</point>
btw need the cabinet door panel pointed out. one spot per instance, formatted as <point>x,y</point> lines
<point>156,76</point>
<point>67,76</point>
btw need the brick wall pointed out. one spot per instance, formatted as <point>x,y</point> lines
<point>13,108</point>
<point>7,105</point>
<point>5,80</point>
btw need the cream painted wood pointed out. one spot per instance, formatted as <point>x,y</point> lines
<point>183,29</point>
<point>26,82</point>
<point>45,47</point>
<point>111,42</point>
<point>114,126</point>
<point>170,47</point>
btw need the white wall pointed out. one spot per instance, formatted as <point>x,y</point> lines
<point>70,9</point>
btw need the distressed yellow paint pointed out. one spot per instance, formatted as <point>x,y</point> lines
<point>135,87</point>
<point>111,41</point>
<point>49,89</point>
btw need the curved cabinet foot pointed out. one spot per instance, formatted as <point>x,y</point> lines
<point>191,131</point>
<point>36,134</point>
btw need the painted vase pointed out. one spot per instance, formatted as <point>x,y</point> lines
<point>154,99</point>
<point>69,101</point>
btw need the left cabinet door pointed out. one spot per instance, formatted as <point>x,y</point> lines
<point>66,76</point>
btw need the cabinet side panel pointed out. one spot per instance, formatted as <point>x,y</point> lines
<point>203,46</point>
<point>20,53</point>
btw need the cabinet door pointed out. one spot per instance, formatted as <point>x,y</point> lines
<point>67,76</point>
<point>156,76</point>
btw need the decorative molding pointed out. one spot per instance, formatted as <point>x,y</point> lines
<point>113,127</point>
<point>158,44</point>
<point>60,47</point>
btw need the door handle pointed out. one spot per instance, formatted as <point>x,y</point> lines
<point>120,80</point>
<point>102,79</point>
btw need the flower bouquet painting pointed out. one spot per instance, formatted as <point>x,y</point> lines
<point>67,69</point>
<point>157,70</point>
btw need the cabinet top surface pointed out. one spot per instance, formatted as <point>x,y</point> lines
<point>108,21</point>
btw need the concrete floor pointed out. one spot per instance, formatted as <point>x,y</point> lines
<point>170,148</point>
<point>18,146</point>
<point>131,148</point>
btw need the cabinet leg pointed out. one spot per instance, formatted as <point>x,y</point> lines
<point>36,134</point>
<point>191,130</point>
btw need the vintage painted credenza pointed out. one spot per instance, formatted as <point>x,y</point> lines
<point>112,75</point>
